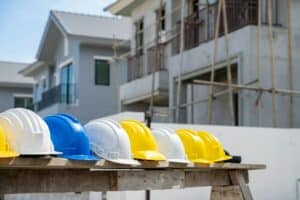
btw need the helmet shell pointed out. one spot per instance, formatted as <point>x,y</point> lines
<point>170,145</point>
<point>69,137</point>
<point>27,133</point>
<point>109,141</point>
<point>215,151</point>
<point>143,145</point>
<point>194,146</point>
<point>5,150</point>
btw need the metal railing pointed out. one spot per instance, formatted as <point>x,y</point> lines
<point>61,94</point>
<point>200,27</point>
<point>156,59</point>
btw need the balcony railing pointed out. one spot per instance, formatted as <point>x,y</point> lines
<point>61,94</point>
<point>138,67</point>
<point>135,67</point>
<point>156,59</point>
<point>200,27</point>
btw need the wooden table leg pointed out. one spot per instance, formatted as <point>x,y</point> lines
<point>226,193</point>
<point>238,179</point>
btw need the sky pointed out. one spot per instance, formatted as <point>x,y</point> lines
<point>22,23</point>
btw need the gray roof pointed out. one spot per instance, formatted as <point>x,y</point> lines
<point>10,76</point>
<point>94,25</point>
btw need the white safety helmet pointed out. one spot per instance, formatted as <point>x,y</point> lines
<point>109,141</point>
<point>27,133</point>
<point>170,145</point>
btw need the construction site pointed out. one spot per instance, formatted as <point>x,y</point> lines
<point>202,102</point>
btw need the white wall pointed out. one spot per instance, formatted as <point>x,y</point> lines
<point>277,148</point>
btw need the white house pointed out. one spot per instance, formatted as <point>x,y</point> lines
<point>15,90</point>
<point>73,72</point>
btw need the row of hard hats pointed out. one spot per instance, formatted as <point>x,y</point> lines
<point>22,132</point>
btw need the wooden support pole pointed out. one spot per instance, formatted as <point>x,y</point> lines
<point>117,78</point>
<point>228,63</point>
<point>238,179</point>
<point>274,102</point>
<point>258,60</point>
<point>290,63</point>
<point>213,65</point>
<point>179,83</point>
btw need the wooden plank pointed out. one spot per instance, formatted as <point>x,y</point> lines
<point>237,178</point>
<point>226,193</point>
<point>238,166</point>
<point>83,180</point>
<point>60,163</point>
<point>150,180</point>
<point>54,181</point>
<point>209,178</point>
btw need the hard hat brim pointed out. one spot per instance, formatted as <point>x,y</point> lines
<point>180,161</point>
<point>202,161</point>
<point>149,155</point>
<point>224,158</point>
<point>41,153</point>
<point>125,161</point>
<point>81,157</point>
<point>7,154</point>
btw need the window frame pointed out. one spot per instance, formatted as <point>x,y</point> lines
<point>97,59</point>
<point>26,101</point>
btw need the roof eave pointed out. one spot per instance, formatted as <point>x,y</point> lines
<point>30,69</point>
<point>123,7</point>
<point>52,17</point>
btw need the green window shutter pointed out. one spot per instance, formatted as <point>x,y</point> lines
<point>102,72</point>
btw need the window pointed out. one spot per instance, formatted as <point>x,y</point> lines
<point>139,36</point>
<point>23,102</point>
<point>161,18</point>
<point>67,84</point>
<point>102,72</point>
<point>194,7</point>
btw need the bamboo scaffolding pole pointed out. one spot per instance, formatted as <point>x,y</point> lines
<point>156,62</point>
<point>251,88</point>
<point>290,63</point>
<point>258,61</point>
<point>228,63</point>
<point>117,82</point>
<point>213,65</point>
<point>274,102</point>
<point>182,36</point>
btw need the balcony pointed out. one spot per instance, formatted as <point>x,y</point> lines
<point>61,94</point>
<point>200,27</point>
<point>139,90</point>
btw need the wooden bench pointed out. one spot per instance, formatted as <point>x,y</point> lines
<point>57,175</point>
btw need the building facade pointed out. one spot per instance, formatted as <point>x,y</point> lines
<point>156,48</point>
<point>15,90</point>
<point>73,71</point>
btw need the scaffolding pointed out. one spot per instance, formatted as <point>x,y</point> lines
<point>224,22</point>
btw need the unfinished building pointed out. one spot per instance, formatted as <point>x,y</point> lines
<point>213,62</point>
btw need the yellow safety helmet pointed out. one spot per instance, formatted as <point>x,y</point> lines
<point>142,142</point>
<point>195,147</point>
<point>5,151</point>
<point>215,151</point>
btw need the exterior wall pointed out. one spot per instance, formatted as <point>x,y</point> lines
<point>7,96</point>
<point>89,95</point>
<point>242,50</point>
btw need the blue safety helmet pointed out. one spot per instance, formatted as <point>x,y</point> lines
<point>69,137</point>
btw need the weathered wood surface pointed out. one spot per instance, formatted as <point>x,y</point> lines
<point>83,180</point>
<point>60,163</point>
<point>57,175</point>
